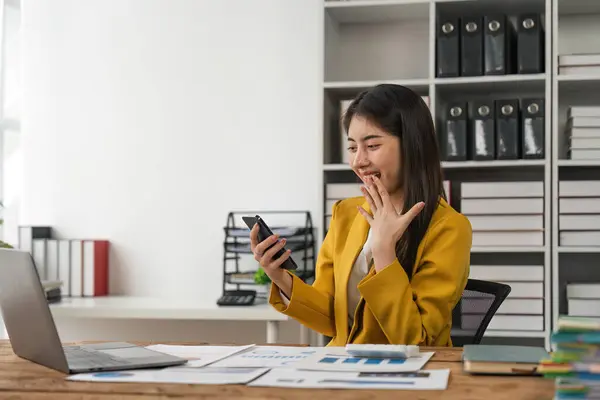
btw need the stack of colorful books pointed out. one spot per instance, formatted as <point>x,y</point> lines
<point>575,361</point>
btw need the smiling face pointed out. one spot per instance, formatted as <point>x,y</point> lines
<point>374,151</point>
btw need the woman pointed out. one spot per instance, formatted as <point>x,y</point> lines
<point>395,261</point>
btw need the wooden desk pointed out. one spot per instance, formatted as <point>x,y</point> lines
<point>21,379</point>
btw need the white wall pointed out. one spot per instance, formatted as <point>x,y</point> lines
<point>146,121</point>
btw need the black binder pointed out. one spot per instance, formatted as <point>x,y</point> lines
<point>498,45</point>
<point>448,47</point>
<point>508,139</point>
<point>533,128</point>
<point>482,137</point>
<point>471,46</point>
<point>454,140</point>
<point>530,44</point>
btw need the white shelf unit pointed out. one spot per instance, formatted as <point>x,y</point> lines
<point>576,29</point>
<point>370,42</point>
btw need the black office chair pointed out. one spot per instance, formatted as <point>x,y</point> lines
<point>479,303</point>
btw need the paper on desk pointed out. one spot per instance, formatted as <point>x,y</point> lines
<point>270,356</point>
<point>292,378</point>
<point>339,360</point>
<point>181,374</point>
<point>199,356</point>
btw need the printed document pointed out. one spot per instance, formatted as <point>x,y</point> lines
<point>179,374</point>
<point>290,378</point>
<point>270,356</point>
<point>199,356</point>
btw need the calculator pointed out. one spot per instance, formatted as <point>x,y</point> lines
<point>237,298</point>
<point>383,350</point>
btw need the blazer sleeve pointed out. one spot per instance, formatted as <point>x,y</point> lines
<point>312,305</point>
<point>416,312</point>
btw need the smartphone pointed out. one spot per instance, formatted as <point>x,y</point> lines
<point>263,233</point>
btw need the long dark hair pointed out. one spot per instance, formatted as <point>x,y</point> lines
<point>403,113</point>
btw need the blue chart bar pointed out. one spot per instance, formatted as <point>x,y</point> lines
<point>372,361</point>
<point>328,360</point>
<point>358,360</point>
<point>396,361</point>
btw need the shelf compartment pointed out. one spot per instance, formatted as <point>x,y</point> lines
<point>573,93</point>
<point>578,84</point>
<point>372,11</point>
<point>573,268</point>
<point>351,56</point>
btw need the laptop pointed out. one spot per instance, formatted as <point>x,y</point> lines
<point>33,335</point>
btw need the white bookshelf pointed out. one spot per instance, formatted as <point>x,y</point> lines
<point>376,41</point>
<point>576,28</point>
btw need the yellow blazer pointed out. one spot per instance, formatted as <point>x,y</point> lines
<point>391,309</point>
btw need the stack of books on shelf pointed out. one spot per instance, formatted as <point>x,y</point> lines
<point>340,191</point>
<point>504,214</point>
<point>579,213</point>
<point>574,363</point>
<point>583,300</point>
<point>494,129</point>
<point>522,310</point>
<point>81,265</point>
<point>582,132</point>
<point>579,64</point>
<point>489,45</point>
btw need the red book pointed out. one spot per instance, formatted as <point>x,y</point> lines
<point>95,267</point>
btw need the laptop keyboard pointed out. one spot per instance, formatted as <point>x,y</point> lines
<point>80,357</point>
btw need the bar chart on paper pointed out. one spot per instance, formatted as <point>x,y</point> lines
<point>342,362</point>
<point>268,356</point>
<point>290,378</point>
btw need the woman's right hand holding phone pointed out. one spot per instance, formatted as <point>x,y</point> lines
<point>271,266</point>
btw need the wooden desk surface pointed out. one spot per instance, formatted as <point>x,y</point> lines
<point>21,379</point>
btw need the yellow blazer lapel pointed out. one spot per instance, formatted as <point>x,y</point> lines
<point>357,236</point>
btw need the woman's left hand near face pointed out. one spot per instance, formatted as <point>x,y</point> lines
<point>386,221</point>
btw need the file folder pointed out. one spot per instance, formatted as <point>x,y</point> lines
<point>508,140</point>
<point>533,128</point>
<point>530,44</point>
<point>482,130</point>
<point>454,140</point>
<point>471,47</point>
<point>448,47</point>
<point>498,45</point>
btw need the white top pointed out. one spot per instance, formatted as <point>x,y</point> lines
<point>359,271</point>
